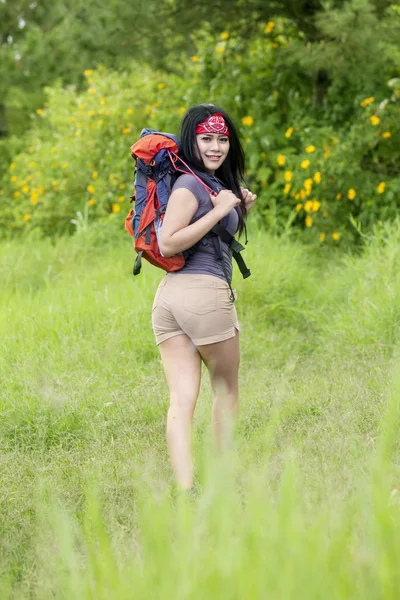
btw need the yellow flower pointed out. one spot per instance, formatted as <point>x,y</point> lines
<point>121,186</point>
<point>91,91</point>
<point>327,151</point>
<point>219,49</point>
<point>310,149</point>
<point>351,194</point>
<point>121,198</point>
<point>299,206</point>
<point>315,205</point>
<point>39,111</point>
<point>41,190</point>
<point>161,86</point>
<point>88,72</point>
<point>94,175</point>
<point>308,184</point>
<point>34,200</point>
<point>195,58</point>
<point>91,201</point>
<point>115,207</point>
<point>64,165</point>
<point>281,160</point>
<point>386,134</point>
<point>367,101</point>
<point>225,35</point>
<point>263,155</point>
<point>25,189</point>
<point>181,110</point>
<point>381,187</point>
<point>90,189</point>
<point>248,121</point>
<point>31,149</point>
<point>289,132</point>
<point>335,236</point>
<point>308,206</point>
<point>305,164</point>
<point>53,150</point>
<point>286,189</point>
<point>100,122</point>
<point>14,178</point>
<point>27,217</point>
<point>102,100</point>
<point>248,140</point>
<point>91,113</point>
<point>269,27</point>
<point>322,237</point>
<point>303,194</point>
<point>31,164</point>
<point>12,166</point>
<point>317,177</point>
<point>126,130</point>
<point>16,194</point>
<point>309,221</point>
<point>374,120</point>
<point>129,111</point>
<point>288,176</point>
<point>338,196</point>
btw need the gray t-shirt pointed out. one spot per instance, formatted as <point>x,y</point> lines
<point>204,259</point>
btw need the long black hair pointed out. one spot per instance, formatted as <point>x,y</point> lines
<point>231,172</point>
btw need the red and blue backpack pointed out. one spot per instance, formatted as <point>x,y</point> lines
<point>158,160</point>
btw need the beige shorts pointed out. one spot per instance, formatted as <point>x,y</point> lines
<point>196,305</point>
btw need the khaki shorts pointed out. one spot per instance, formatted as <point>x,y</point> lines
<point>196,305</point>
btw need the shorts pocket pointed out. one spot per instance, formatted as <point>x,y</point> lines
<point>200,300</point>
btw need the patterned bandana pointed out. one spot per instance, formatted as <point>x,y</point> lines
<point>214,124</point>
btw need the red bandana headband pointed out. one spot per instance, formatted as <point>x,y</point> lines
<point>214,124</point>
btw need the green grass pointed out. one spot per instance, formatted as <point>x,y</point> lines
<point>306,505</point>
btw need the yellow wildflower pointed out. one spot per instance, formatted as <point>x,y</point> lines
<point>281,160</point>
<point>100,122</point>
<point>90,189</point>
<point>121,198</point>
<point>31,164</point>
<point>91,91</point>
<point>315,205</point>
<point>386,134</point>
<point>94,175</point>
<point>14,178</point>
<point>126,130</point>
<point>288,176</point>
<point>299,206</point>
<point>39,111</point>
<point>91,113</point>
<point>335,236</point>
<point>317,177</point>
<point>248,121</point>
<point>25,189</point>
<point>88,72</point>
<point>381,187</point>
<point>31,149</point>
<point>219,49</point>
<point>269,27</point>
<point>91,201</point>
<point>303,194</point>
<point>53,150</point>
<point>322,237</point>
<point>161,86</point>
<point>115,207</point>
<point>64,165</point>
<point>286,189</point>
<point>41,190</point>
<point>305,164</point>
<point>263,155</point>
<point>308,206</point>
<point>122,186</point>
<point>351,194</point>
<point>16,194</point>
<point>326,151</point>
<point>338,196</point>
<point>367,101</point>
<point>195,58</point>
<point>374,120</point>
<point>289,132</point>
<point>308,184</point>
<point>248,140</point>
<point>102,100</point>
<point>225,35</point>
<point>34,200</point>
<point>12,166</point>
<point>309,221</point>
<point>27,217</point>
<point>181,110</point>
<point>310,149</point>
<point>129,111</point>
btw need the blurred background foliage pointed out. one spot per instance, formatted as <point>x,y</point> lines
<point>314,87</point>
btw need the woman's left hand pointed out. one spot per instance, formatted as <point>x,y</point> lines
<point>248,198</point>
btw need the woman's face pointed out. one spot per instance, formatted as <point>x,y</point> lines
<point>213,149</point>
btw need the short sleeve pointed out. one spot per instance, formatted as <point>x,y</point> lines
<point>190,183</point>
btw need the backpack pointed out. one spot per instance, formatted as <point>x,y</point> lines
<point>157,161</point>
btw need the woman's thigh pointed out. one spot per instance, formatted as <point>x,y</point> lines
<point>222,360</point>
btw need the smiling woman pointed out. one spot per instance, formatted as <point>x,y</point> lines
<point>194,317</point>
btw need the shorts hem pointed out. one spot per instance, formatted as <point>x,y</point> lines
<point>167,336</point>
<point>214,339</point>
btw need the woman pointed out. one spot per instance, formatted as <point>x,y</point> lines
<point>193,316</point>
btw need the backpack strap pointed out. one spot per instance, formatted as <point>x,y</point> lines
<point>235,246</point>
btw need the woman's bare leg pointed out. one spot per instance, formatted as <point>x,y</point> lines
<point>222,360</point>
<point>182,366</point>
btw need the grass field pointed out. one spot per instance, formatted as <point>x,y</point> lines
<point>304,506</point>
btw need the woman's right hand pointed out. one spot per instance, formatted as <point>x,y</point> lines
<point>224,202</point>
